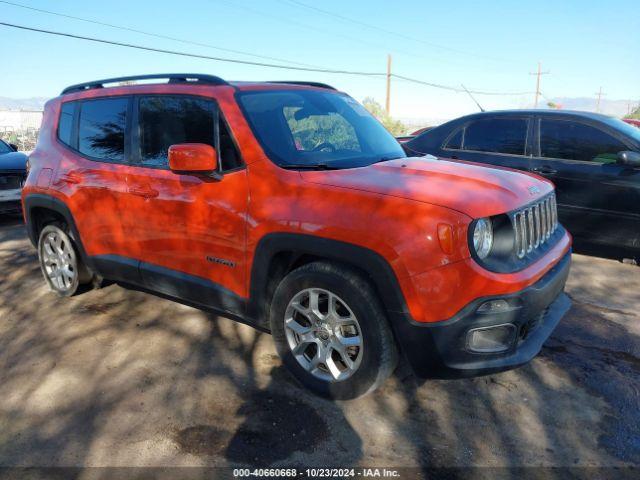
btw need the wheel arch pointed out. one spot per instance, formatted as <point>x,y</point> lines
<point>278,253</point>
<point>39,208</point>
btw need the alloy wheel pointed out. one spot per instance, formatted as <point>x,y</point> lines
<point>323,334</point>
<point>58,260</point>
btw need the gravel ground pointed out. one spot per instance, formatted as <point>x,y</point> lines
<point>122,378</point>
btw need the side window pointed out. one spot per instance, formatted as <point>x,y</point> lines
<point>320,131</point>
<point>499,135</point>
<point>576,141</point>
<point>455,141</point>
<point>101,128</point>
<point>65,122</point>
<point>229,155</point>
<point>169,120</point>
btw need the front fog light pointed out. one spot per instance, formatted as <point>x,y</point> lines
<point>494,306</point>
<point>494,339</point>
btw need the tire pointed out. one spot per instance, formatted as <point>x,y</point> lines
<point>63,270</point>
<point>371,354</point>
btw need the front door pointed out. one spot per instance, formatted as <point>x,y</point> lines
<point>501,141</point>
<point>187,230</point>
<point>598,199</point>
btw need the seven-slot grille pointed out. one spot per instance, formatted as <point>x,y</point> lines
<point>534,224</point>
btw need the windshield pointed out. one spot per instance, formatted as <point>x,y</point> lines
<point>628,130</point>
<point>4,148</point>
<point>310,128</point>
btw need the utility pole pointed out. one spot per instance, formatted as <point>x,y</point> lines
<point>387,104</point>
<point>538,74</point>
<point>600,95</point>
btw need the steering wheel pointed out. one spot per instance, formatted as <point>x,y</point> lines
<point>324,147</point>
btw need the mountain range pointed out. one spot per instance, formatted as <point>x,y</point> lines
<point>34,103</point>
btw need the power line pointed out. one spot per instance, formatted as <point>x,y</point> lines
<point>390,32</point>
<point>156,35</point>
<point>247,62</point>
<point>456,89</point>
<point>290,22</point>
<point>187,54</point>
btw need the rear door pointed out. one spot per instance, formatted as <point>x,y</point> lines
<point>598,199</point>
<point>92,174</point>
<point>187,230</point>
<point>501,140</point>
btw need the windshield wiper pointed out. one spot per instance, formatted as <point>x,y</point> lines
<point>308,166</point>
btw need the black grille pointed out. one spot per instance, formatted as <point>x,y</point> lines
<point>10,181</point>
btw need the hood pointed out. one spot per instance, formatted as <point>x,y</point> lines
<point>13,161</point>
<point>473,189</point>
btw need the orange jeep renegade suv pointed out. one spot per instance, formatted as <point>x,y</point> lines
<point>287,206</point>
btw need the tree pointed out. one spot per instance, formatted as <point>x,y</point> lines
<point>396,127</point>
<point>635,114</point>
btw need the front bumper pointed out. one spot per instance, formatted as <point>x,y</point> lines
<point>440,350</point>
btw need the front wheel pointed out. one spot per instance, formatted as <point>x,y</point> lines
<point>331,331</point>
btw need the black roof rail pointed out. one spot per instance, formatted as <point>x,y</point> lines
<point>172,77</point>
<point>309,84</point>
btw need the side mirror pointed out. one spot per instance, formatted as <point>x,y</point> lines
<point>629,158</point>
<point>14,146</point>
<point>196,158</point>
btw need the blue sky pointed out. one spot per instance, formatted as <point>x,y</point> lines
<point>485,45</point>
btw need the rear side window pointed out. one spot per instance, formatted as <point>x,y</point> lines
<point>65,123</point>
<point>498,135</point>
<point>167,120</point>
<point>101,128</point>
<point>455,141</point>
<point>577,141</point>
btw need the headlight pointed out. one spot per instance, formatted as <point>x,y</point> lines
<point>483,237</point>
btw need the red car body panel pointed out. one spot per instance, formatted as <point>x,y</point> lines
<point>393,208</point>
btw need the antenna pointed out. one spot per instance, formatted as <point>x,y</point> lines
<point>473,98</point>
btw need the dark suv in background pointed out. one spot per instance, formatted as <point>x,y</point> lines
<point>13,171</point>
<point>593,159</point>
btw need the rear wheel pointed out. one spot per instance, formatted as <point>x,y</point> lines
<point>331,331</point>
<point>60,263</point>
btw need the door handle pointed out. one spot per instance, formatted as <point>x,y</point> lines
<point>144,192</point>
<point>544,170</point>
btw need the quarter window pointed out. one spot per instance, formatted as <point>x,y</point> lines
<point>65,122</point>
<point>167,120</point>
<point>498,135</point>
<point>102,125</point>
<point>577,141</point>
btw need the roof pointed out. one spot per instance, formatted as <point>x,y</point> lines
<point>278,84</point>
<point>190,78</point>
<point>541,111</point>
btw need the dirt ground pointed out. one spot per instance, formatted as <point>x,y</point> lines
<point>122,378</point>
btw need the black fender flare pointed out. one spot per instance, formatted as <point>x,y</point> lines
<point>368,261</point>
<point>48,202</point>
